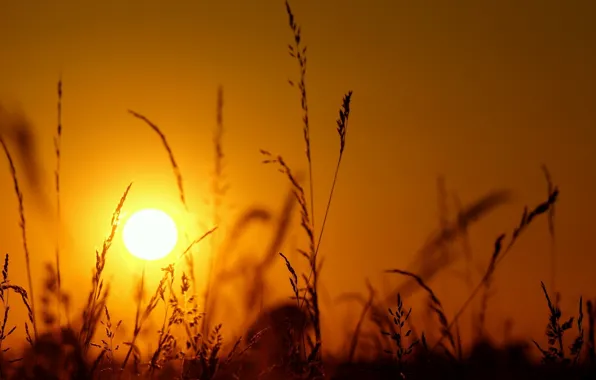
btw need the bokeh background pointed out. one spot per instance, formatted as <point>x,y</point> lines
<point>481,93</point>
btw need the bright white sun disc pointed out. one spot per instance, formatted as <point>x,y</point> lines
<point>150,234</point>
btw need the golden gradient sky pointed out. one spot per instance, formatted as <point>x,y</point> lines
<point>482,92</point>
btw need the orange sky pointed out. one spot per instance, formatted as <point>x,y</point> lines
<point>482,93</point>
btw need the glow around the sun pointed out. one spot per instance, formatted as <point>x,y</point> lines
<point>150,234</point>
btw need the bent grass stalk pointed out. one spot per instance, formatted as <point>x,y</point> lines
<point>551,231</point>
<point>179,182</point>
<point>499,254</point>
<point>166,146</point>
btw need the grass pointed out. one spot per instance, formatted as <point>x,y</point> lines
<point>23,225</point>
<point>286,341</point>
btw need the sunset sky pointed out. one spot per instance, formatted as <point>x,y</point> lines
<point>482,93</point>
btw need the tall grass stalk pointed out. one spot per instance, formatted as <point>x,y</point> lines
<point>342,129</point>
<point>98,295</point>
<point>298,51</point>
<point>57,148</point>
<point>23,225</point>
<point>218,190</point>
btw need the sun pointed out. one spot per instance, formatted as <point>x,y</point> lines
<point>150,234</point>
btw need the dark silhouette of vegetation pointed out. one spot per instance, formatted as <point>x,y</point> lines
<point>283,341</point>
